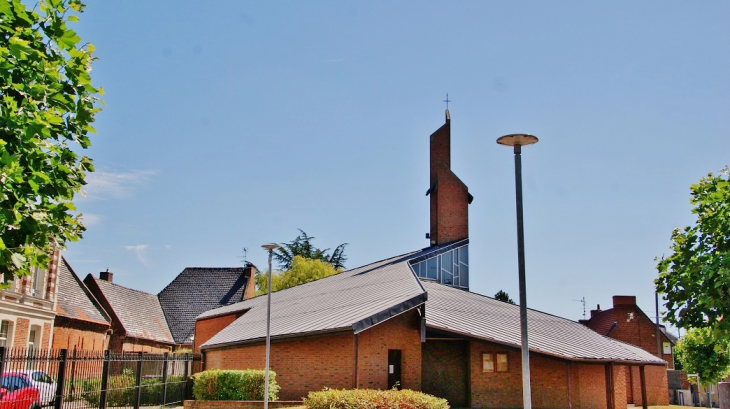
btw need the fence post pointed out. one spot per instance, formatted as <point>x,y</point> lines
<point>104,379</point>
<point>188,381</point>
<point>60,379</point>
<point>164,378</point>
<point>138,391</point>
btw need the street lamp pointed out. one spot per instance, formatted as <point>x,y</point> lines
<point>517,141</point>
<point>270,248</point>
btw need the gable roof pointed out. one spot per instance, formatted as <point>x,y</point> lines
<point>351,301</point>
<point>357,299</point>
<point>476,316</point>
<point>74,300</point>
<point>138,312</point>
<point>199,289</point>
<point>602,322</point>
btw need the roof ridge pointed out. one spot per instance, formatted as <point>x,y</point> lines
<point>119,285</point>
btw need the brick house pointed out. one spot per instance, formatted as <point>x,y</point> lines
<point>199,289</point>
<point>81,322</point>
<point>137,321</point>
<point>626,322</point>
<point>411,321</point>
<point>27,308</point>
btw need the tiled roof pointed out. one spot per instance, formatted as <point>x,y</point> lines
<point>74,300</point>
<point>357,299</point>
<point>476,316</point>
<point>197,290</point>
<point>350,301</point>
<point>139,312</point>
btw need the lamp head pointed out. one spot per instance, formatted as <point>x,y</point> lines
<point>516,139</point>
<point>271,247</point>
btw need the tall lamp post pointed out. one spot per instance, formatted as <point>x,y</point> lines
<point>518,141</point>
<point>270,248</point>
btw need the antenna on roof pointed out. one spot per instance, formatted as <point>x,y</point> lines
<point>245,251</point>
<point>583,301</point>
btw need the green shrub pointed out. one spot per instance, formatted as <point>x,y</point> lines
<point>245,384</point>
<point>373,399</point>
<point>121,390</point>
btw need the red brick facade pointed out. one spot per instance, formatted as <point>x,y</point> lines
<point>75,334</point>
<point>633,326</point>
<point>449,195</point>
<point>20,338</point>
<point>312,363</point>
<point>205,329</point>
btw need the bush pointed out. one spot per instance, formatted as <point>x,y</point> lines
<point>121,390</point>
<point>373,399</point>
<point>245,384</point>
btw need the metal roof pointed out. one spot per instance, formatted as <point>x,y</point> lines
<point>476,316</point>
<point>350,301</point>
<point>357,299</point>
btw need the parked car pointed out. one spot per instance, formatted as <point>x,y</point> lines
<point>44,383</point>
<point>16,392</point>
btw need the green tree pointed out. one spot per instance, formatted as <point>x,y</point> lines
<point>302,246</point>
<point>695,278</point>
<point>504,297</point>
<point>302,270</point>
<point>701,353</point>
<point>46,110</point>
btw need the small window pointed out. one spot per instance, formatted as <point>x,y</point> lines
<point>495,362</point>
<point>502,363</point>
<point>4,331</point>
<point>487,363</point>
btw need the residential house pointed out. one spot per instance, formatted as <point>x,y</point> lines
<point>199,289</point>
<point>628,323</point>
<point>27,308</point>
<point>137,320</point>
<point>81,322</point>
<point>410,321</point>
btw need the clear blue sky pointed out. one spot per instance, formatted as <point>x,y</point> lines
<point>232,124</point>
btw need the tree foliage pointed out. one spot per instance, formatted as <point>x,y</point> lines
<point>695,277</point>
<point>47,107</point>
<point>504,297</point>
<point>302,246</point>
<point>302,270</point>
<point>701,353</point>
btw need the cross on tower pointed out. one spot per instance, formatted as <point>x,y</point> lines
<point>447,100</point>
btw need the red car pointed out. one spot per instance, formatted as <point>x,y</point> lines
<point>16,392</point>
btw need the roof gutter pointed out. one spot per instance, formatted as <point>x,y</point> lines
<point>388,313</point>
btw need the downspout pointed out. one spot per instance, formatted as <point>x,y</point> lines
<point>355,377</point>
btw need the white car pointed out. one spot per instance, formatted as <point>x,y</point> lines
<point>45,384</point>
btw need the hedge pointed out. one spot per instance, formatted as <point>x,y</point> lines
<point>121,390</point>
<point>245,384</point>
<point>373,399</point>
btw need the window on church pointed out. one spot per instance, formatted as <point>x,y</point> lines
<point>492,362</point>
<point>450,268</point>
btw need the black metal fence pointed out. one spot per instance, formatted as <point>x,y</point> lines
<point>92,379</point>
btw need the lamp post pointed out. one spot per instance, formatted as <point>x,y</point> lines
<point>517,141</point>
<point>270,248</point>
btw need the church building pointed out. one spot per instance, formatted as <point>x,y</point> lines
<point>410,321</point>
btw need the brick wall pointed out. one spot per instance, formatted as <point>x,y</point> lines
<point>311,363</point>
<point>590,385</point>
<point>20,336</point>
<point>205,329</point>
<point>46,335</point>
<point>238,404</point>
<point>657,392</point>
<point>143,345</point>
<point>70,334</point>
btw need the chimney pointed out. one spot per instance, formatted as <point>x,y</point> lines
<point>249,271</point>
<point>106,275</point>
<point>628,300</point>
<point>450,197</point>
<point>596,311</point>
